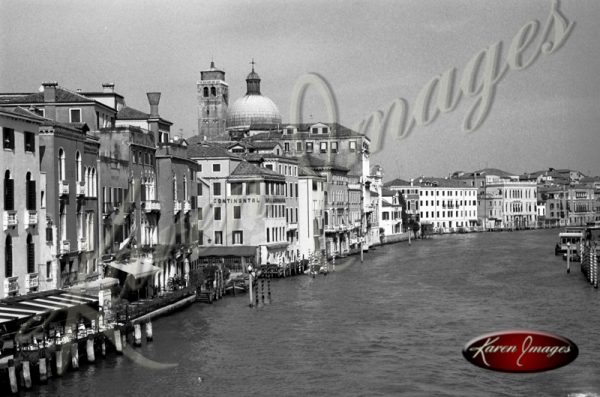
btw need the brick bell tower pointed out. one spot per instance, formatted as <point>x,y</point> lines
<point>213,98</point>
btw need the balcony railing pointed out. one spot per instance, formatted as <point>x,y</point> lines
<point>11,285</point>
<point>9,219</point>
<point>187,206</point>
<point>63,188</point>
<point>81,188</point>
<point>65,246</point>
<point>151,205</point>
<point>32,281</point>
<point>177,206</point>
<point>292,226</point>
<point>83,244</point>
<point>31,218</point>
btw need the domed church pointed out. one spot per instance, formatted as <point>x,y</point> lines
<point>249,114</point>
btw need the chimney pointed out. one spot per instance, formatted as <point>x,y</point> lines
<point>108,87</point>
<point>154,99</point>
<point>49,91</point>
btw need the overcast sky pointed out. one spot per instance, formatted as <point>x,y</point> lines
<point>370,52</point>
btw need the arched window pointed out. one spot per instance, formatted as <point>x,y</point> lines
<point>9,192</point>
<point>61,165</point>
<point>30,194</point>
<point>8,257</point>
<point>174,188</point>
<point>213,91</point>
<point>30,254</point>
<point>79,173</point>
<point>87,174</point>
<point>205,91</point>
<point>94,188</point>
<point>185,188</point>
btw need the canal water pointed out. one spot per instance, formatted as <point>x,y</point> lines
<point>393,325</point>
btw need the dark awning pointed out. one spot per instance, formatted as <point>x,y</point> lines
<point>23,307</point>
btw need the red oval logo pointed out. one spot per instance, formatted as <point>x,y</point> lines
<point>520,351</point>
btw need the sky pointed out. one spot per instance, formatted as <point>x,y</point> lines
<point>370,52</point>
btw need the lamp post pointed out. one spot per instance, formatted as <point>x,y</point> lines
<point>568,258</point>
<point>251,281</point>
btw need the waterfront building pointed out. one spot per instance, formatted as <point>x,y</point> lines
<point>23,213</point>
<point>410,193</point>
<point>569,205</point>
<point>177,224</point>
<point>213,101</point>
<point>336,220</point>
<point>391,212</point>
<point>288,167</point>
<point>311,209</point>
<point>355,211</point>
<point>446,204</point>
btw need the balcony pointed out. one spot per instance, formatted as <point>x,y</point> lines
<point>151,205</point>
<point>187,206</point>
<point>82,245</point>
<point>177,206</point>
<point>9,219</point>
<point>65,247</point>
<point>292,226</point>
<point>11,285</point>
<point>32,281</point>
<point>81,188</point>
<point>63,188</point>
<point>31,218</point>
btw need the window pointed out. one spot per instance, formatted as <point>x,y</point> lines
<point>219,238</point>
<point>30,254</point>
<point>9,192</point>
<point>238,237</point>
<point>237,212</point>
<point>8,138</point>
<point>237,189</point>
<point>205,91</point>
<point>217,188</point>
<point>30,194</point>
<point>201,237</point>
<point>309,147</point>
<point>217,213</point>
<point>216,167</point>
<point>269,166</point>
<point>213,91</point>
<point>253,187</point>
<point>29,142</point>
<point>323,147</point>
<point>286,146</point>
<point>353,146</point>
<point>334,147</point>
<point>298,146</point>
<point>61,164</point>
<point>78,161</point>
<point>8,258</point>
<point>314,130</point>
<point>75,115</point>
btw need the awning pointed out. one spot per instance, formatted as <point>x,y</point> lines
<point>138,269</point>
<point>242,250</point>
<point>22,307</point>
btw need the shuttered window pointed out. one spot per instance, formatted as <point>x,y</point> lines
<point>31,195</point>
<point>30,255</point>
<point>9,194</point>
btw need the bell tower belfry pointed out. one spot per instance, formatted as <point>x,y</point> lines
<point>213,98</point>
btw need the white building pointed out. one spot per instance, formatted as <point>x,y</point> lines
<point>446,204</point>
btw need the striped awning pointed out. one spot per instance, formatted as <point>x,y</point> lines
<point>23,307</point>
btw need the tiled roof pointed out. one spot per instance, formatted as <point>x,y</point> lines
<point>127,113</point>
<point>23,113</point>
<point>336,131</point>
<point>397,182</point>
<point>208,151</point>
<point>62,95</point>
<point>306,171</point>
<point>439,182</point>
<point>264,144</point>
<point>494,171</point>
<point>388,192</point>
<point>247,169</point>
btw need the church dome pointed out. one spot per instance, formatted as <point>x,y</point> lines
<point>253,108</point>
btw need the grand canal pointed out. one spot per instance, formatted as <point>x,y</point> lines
<point>393,325</point>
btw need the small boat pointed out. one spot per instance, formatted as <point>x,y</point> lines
<point>570,238</point>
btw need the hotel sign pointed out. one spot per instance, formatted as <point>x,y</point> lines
<point>244,200</point>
